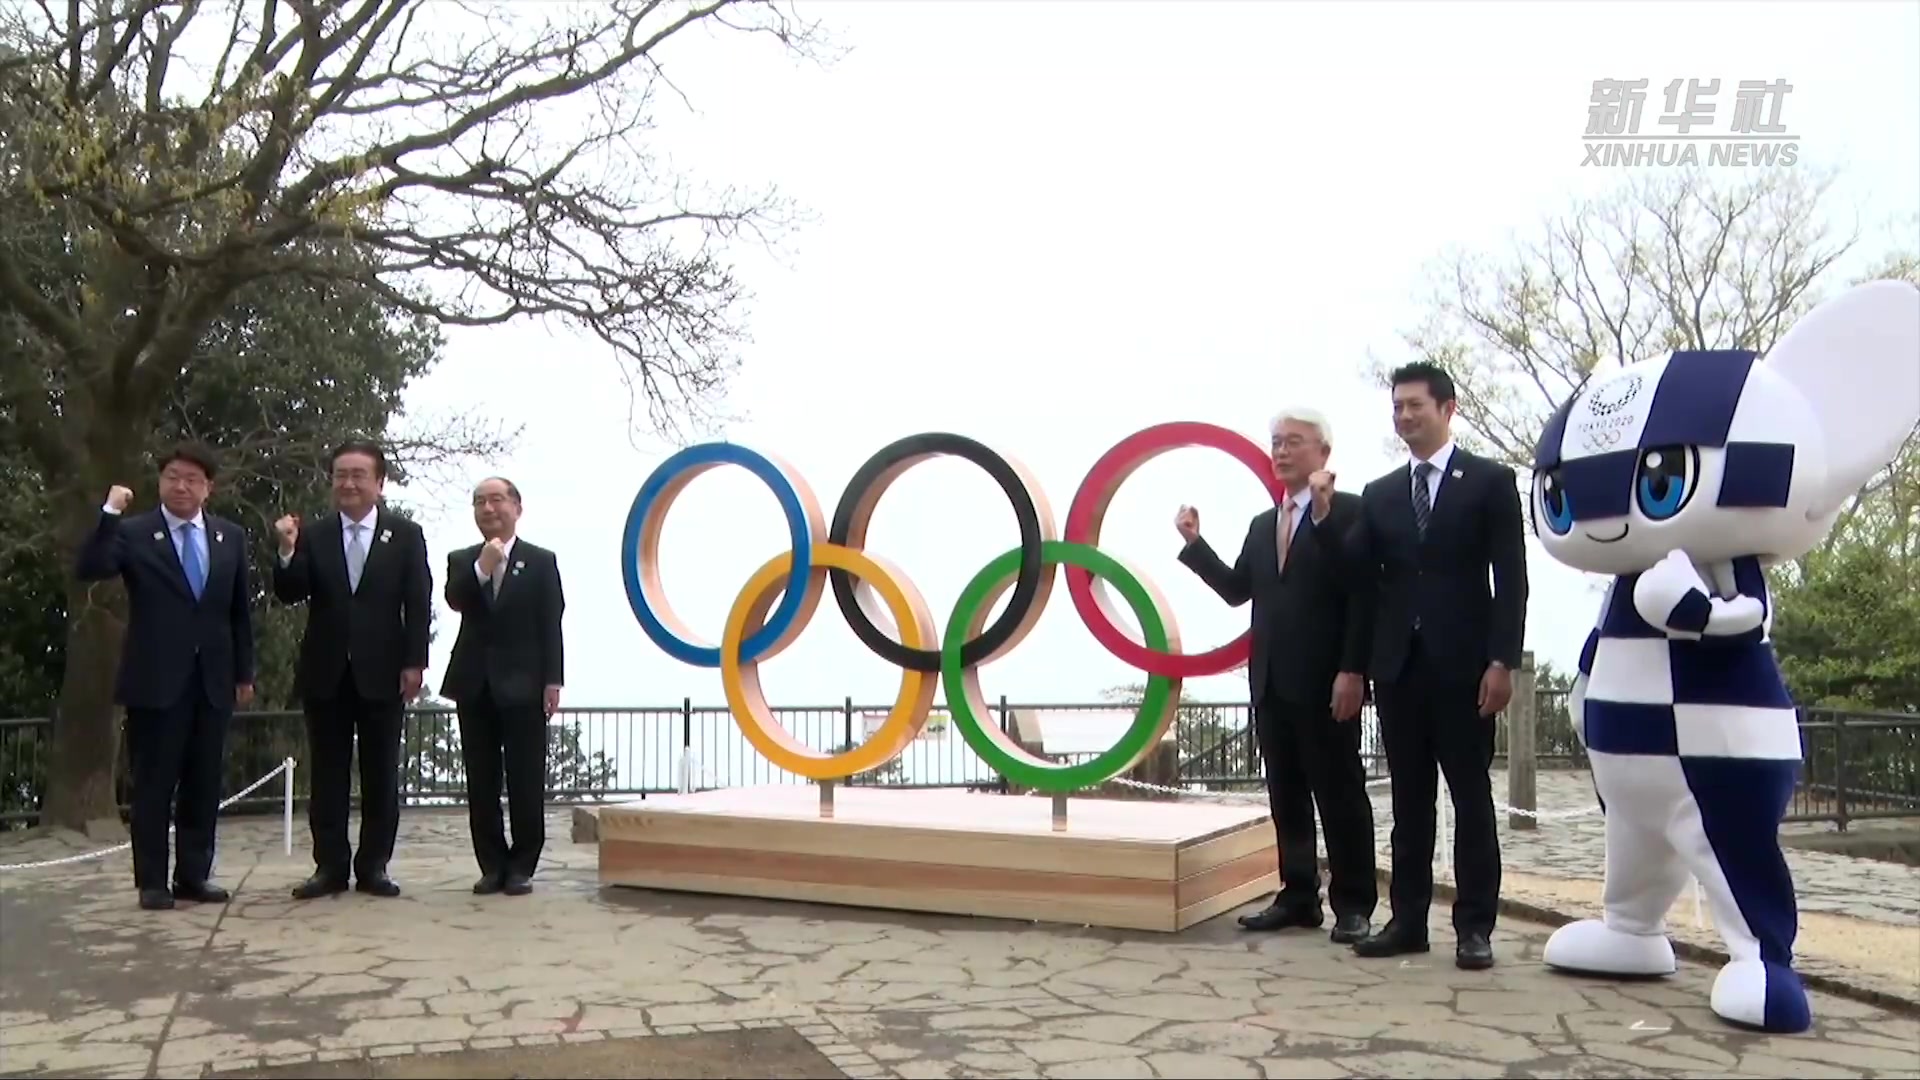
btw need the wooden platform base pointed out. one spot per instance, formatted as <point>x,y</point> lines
<point>1118,863</point>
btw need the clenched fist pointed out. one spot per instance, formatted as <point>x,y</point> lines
<point>1187,522</point>
<point>118,497</point>
<point>1320,487</point>
<point>288,529</point>
<point>492,555</point>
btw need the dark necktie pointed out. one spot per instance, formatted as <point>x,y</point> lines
<point>1422,499</point>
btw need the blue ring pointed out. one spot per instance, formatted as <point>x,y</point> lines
<point>801,538</point>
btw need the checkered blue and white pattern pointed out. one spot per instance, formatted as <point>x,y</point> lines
<point>1682,477</point>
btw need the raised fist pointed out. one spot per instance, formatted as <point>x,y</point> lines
<point>492,555</point>
<point>288,530</point>
<point>118,497</point>
<point>1187,521</point>
<point>1320,488</point>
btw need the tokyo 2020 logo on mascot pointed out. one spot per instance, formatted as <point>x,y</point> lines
<point>1683,477</point>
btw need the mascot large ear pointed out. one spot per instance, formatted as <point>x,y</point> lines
<point>1856,359</point>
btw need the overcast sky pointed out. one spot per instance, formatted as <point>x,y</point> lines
<point>1048,225</point>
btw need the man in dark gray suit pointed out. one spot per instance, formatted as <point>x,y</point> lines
<point>505,676</point>
<point>1309,648</point>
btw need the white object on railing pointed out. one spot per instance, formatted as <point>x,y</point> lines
<point>284,767</point>
<point>287,810</point>
<point>689,770</point>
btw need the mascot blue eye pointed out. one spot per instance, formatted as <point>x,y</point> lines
<point>1555,506</point>
<point>1664,481</point>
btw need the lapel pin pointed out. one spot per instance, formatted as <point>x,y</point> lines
<point>1456,474</point>
<point>219,538</point>
<point>386,535</point>
<point>159,536</point>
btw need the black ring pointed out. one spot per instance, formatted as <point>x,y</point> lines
<point>880,470</point>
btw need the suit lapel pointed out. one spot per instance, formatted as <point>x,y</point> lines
<point>219,557</point>
<point>516,559</point>
<point>376,547</point>
<point>1446,500</point>
<point>1402,503</point>
<point>333,553</point>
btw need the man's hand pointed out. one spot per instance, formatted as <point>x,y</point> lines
<point>1320,485</point>
<point>410,680</point>
<point>118,497</point>
<point>243,694</point>
<point>1187,522</point>
<point>552,703</point>
<point>1496,689</point>
<point>1348,689</point>
<point>492,555</point>
<point>288,530</point>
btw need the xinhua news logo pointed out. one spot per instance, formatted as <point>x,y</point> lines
<point>1685,131</point>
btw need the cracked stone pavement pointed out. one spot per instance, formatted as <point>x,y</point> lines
<point>91,985</point>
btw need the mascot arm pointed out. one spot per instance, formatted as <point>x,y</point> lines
<point>1577,709</point>
<point>1672,597</point>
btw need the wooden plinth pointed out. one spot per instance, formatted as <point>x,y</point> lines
<point>1118,863</point>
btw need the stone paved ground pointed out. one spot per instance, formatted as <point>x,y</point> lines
<point>1860,918</point>
<point>91,985</point>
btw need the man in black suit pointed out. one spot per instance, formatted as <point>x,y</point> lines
<point>185,662</point>
<point>363,574</point>
<point>505,676</point>
<point>1427,538</point>
<point>1304,672</point>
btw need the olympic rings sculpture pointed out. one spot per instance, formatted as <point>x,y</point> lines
<point>757,630</point>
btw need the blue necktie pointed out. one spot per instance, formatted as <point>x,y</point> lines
<point>190,561</point>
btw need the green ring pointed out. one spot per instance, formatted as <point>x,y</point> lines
<point>1049,777</point>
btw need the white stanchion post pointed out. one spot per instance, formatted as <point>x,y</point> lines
<point>287,810</point>
<point>1699,917</point>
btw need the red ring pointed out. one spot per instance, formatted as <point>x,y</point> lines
<point>1089,511</point>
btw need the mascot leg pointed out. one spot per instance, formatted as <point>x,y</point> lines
<point>1644,873</point>
<point>1730,835</point>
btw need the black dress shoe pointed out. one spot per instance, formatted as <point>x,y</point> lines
<point>202,893</point>
<point>1348,929</point>
<point>380,885</point>
<point>1285,913</point>
<point>516,885</point>
<point>156,899</point>
<point>487,885</point>
<point>1473,952</point>
<point>1395,939</point>
<point>319,885</point>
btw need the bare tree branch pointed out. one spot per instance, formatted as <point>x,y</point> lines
<point>1670,262</point>
<point>492,155</point>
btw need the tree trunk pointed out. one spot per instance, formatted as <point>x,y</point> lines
<point>86,724</point>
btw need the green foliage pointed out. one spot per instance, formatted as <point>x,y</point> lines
<point>1848,629</point>
<point>431,761</point>
<point>1197,728</point>
<point>290,187</point>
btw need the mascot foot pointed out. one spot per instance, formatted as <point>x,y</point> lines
<point>1767,997</point>
<point>1593,947</point>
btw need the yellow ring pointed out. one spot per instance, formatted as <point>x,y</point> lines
<point>748,702</point>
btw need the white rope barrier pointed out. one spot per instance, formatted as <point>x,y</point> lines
<point>285,768</point>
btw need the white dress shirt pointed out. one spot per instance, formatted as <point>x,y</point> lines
<point>1439,461</point>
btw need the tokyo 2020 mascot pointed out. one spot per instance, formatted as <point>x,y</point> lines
<point>1683,477</point>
